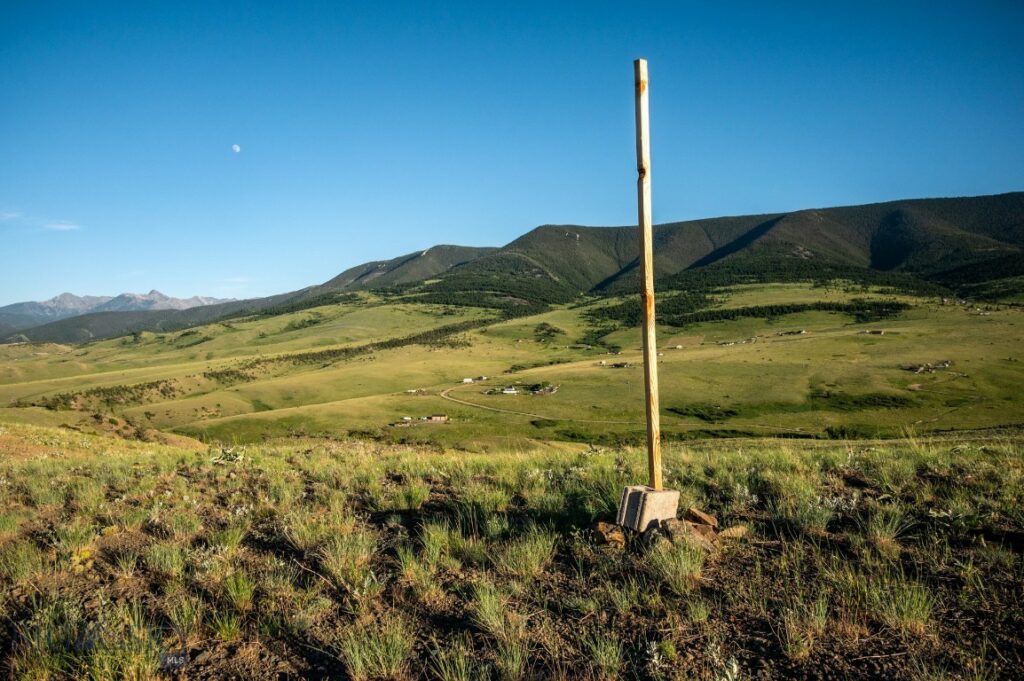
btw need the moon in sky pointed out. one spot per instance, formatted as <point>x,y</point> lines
<point>235,148</point>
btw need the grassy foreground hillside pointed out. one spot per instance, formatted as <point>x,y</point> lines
<point>260,498</point>
<point>781,360</point>
<point>348,559</point>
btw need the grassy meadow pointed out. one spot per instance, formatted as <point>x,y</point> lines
<point>314,558</point>
<point>234,501</point>
<point>348,369</point>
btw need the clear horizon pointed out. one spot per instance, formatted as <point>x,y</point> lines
<point>398,255</point>
<point>246,150</point>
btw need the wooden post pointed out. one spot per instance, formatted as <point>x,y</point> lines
<point>642,508</point>
<point>643,196</point>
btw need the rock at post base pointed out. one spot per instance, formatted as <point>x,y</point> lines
<point>655,540</point>
<point>681,531</point>
<point>695,515</point>
<point>610,534</point>
<point>705,531</point>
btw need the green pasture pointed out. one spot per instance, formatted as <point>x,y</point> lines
<point>747,376</point>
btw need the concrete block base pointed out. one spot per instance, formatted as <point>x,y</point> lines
<point>642,508</point>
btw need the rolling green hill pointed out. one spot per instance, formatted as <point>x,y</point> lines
<point>930,239</point>
<point>972,245</point>
<point>413,267</point>
<point>786,360</point>
<point>923,244</point>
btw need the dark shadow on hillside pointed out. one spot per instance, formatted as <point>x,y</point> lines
<point>631,267</point>
<point>737,245</point>
<point>892,243</point>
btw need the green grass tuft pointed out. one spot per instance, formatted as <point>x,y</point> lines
<point>677,566</point>
<point>382,651</point>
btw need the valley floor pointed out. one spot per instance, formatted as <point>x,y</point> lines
<point>341,558</point>
<point>360,366</point>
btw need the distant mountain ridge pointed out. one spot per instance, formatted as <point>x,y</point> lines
<point>154,300</point>
<point>968,244</point>
<point>34,313</point>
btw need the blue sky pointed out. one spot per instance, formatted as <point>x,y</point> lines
<point>372,130</point>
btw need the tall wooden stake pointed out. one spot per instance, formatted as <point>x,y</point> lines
<point>643,197</point>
